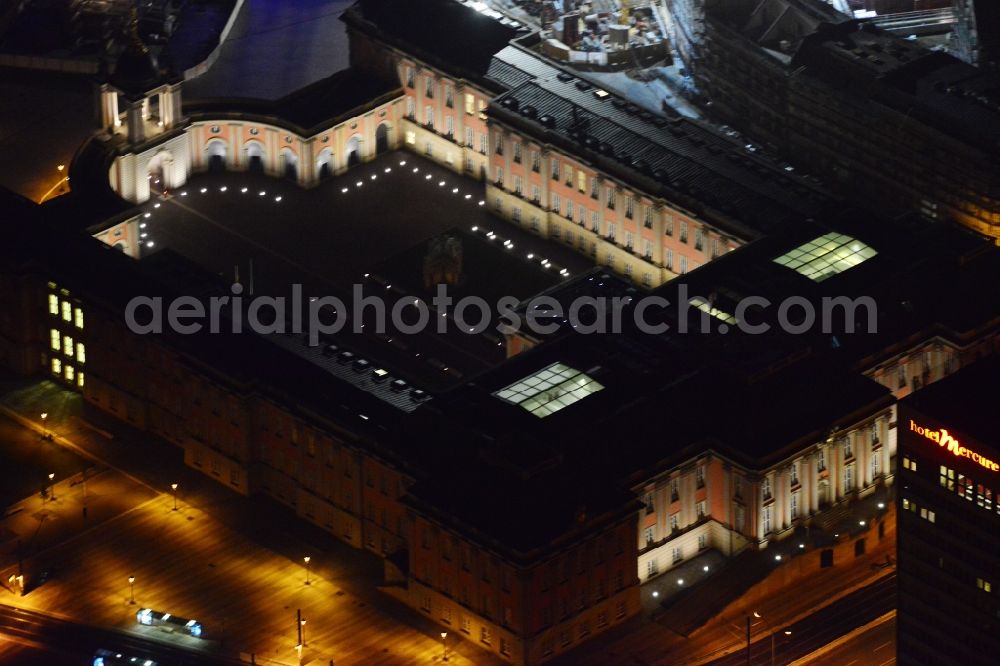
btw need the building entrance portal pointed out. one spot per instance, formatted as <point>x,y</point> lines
<point>382,139</point>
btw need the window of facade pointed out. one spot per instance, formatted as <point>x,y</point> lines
<point>848,478</point>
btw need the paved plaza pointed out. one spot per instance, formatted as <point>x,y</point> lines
<point>207,560</point>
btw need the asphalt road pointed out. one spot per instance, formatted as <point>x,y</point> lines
<point>84,641</point>
<point>232,563</point>
<point>820,628</point>
<point>873,647</point>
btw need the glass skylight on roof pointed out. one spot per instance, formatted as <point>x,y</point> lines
<point>710,309</point>
<point>826,256</point>
<point>549,390</point>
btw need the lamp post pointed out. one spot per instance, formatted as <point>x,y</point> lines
<point>299,625</point>
<point>52,487</point>
<point>444,646</point>
<point>173,487</point>
<point>307,559</point>
<point>45,431</point>
<point>131,590</point>
<point>773,633</point>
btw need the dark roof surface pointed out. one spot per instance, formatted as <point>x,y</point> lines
<point>938,89</point>
<point>319,105</point>
<point>965,401</point>
<point>678,159</point>
<point>444,33</point>
<point>135,70</point>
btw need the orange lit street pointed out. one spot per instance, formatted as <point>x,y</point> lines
<point>186,563</point>
<point>190,564</point>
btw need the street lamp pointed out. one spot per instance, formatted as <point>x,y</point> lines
<point>307,559</point>
<point>444,646</point>
<point>52,487</point>
<point>773,633</point>
<point>131,590</point>
<point>749,620</point>
<point>173,486</point>
<point>45,432</point>
<point>299,626</point>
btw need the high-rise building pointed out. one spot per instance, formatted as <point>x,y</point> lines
<point>949,520</point>
<point>976,38</point>
<point>881,119</point>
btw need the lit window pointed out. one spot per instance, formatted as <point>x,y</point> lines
<point>56,366</point>
<point>56,340</point>
<point>67,311</point>
<point>470,104</point>
<point>411,137</point>
<point>78,320</point>
<point>81,353</point>
<point>550,390</point>
<point>826,256</point>
<point>68,346</point>
<point>70,373</point>
<point>53,304</point>
<point>79,380</point>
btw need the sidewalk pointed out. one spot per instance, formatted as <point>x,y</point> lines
<point>69,509</point>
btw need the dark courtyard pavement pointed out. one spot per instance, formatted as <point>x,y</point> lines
<point>327,240</point>
<point>324,237</point>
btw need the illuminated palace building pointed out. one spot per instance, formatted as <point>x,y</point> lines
<point>524,505</point>
<point>949,521</point>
